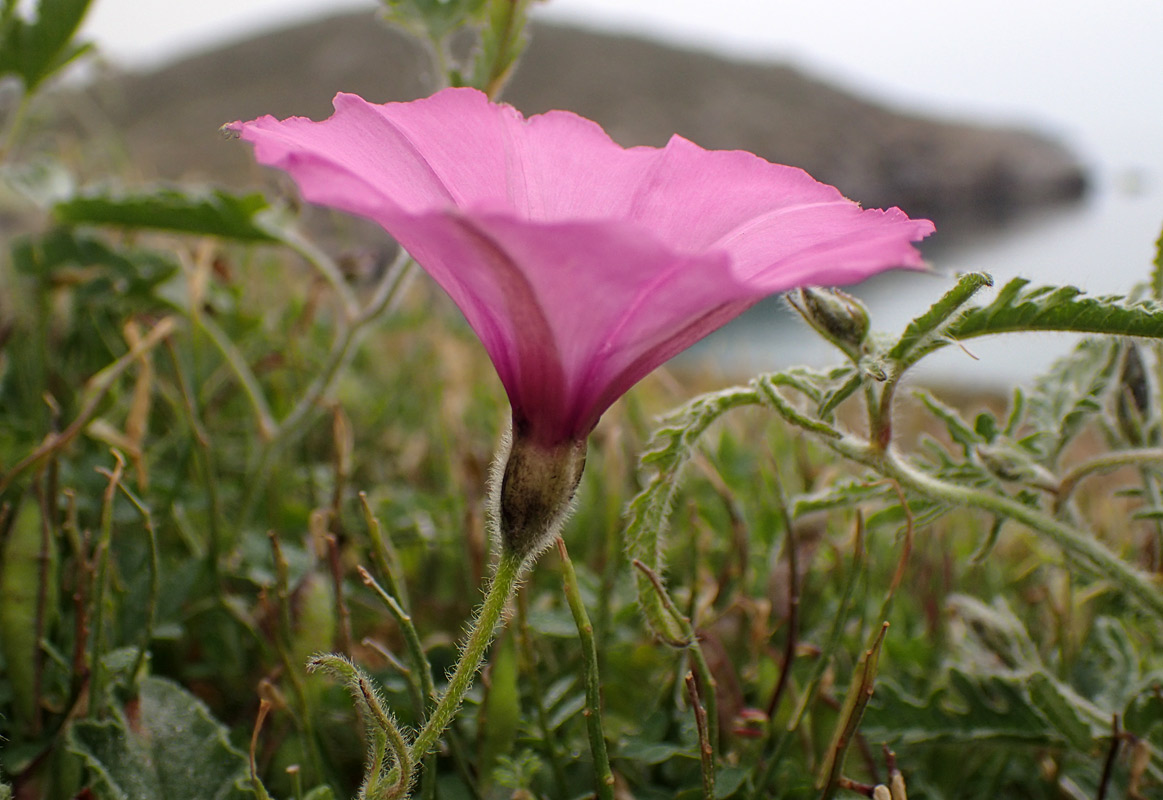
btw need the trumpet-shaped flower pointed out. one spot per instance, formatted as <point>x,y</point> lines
<point>581,265</point>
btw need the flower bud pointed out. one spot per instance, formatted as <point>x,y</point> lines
<point>839,316</point>
<point>536,492</point>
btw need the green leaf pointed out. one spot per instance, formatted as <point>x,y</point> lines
<point>165,744</point>
<point>320,792</point>
<point>958,429</point>
<point>728,780</point>
<point>105,280</point>
<point>214,213</point>
<point>643,751</point>
<point>432,19</point>
<point>1063,709</point>
<point>1059,308</point>
<point>964,708</point>
<point>842,494</point>
<point>35,48</point>
<point>919,333</point>
<point>569,708</point>
<point>502,40</point>
<point>1067,397</point>
<point>665,456</point>
<point>833,398</point>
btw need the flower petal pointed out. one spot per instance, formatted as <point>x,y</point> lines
<point>581,265</point>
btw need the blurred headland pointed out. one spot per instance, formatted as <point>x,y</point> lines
<point>964,176</point>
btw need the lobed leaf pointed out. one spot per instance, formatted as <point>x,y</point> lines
<point>665,456</point>
<point>964,708</point>
<point>165,744</point>
<point>1059,308</point>
<point>919,333</point>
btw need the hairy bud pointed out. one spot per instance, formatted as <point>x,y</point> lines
<point>534,493</point>
<point>840,317</point>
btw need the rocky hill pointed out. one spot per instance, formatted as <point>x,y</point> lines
<point>958,173</point>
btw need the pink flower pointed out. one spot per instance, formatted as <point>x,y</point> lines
<point>581,265</point>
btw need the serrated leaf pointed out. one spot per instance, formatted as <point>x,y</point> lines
<point>214,213</point>
<point>665,456</point>
<point>1067,397</point>
<point>1059,308</point>
<point>992,635</point>
<point>166,745</point>
<point>841,495</point>
<point>964,708</point>
<point>1062,709</point>
<point>833,398</point>
<point>1113,662</point>
<point>918,332</point>
<point>36,47</point>
<point>958,429</point>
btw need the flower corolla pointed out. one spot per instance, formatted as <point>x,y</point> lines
<point>580,264</point>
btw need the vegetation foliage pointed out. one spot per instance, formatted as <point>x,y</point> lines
<point>226,453</point>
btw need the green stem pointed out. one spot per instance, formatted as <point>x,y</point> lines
<point>506,579</point>
<point>342,349</point>
<point>236,361</point>
<point>690,642</point>
<point>1107,462</point>
<point>14,125</point>
<point>1080,544</point>
<point>420,674</point>
<point>101,588</point>
<point>303,712</point>
<point>593,712</point>
<point>706,751</point>
<point>420,666</point>
<point>322,263</point>
<point>765,773</point>
<point>204,456</point>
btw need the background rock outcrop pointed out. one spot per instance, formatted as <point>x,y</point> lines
<point>958,173</point>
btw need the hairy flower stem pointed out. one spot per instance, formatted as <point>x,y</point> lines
<point>506,579</point>
<point>593,713</point>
